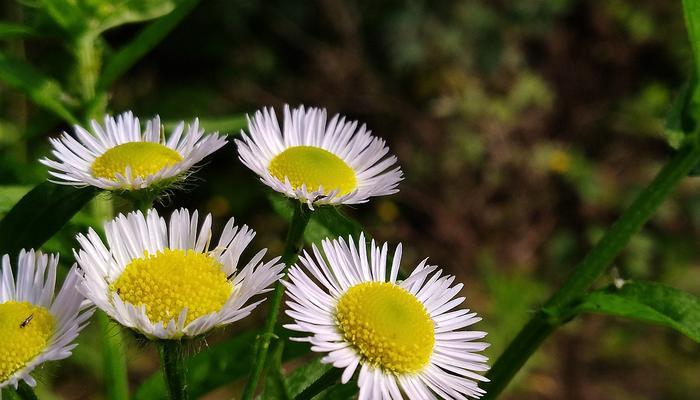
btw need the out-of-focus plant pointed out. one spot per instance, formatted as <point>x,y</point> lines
<point>650,302</point>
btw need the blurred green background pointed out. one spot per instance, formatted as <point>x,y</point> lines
<point>523,128</point>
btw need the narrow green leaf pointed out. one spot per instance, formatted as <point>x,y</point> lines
<point>96,16</point>
<point>66,14</point>
<point>347,391</point>
<point>304,376</point>
<point>681,121</point>
<point>321,385</point>
<point>650,302</point>
<point>336,222</point>
<point>326,221</point>
<point>13,31</point>
<point>10,195</point>
<point>41,89</point>
<point>7,393</point>
<point>109,14</point>
<point>150,36</point>
<point>691,12</point>
<point>40,214</point>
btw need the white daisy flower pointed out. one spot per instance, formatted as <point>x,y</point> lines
<point>35,326</point>
<point>164,281</point>
<point>316,161</point>
<point>405,336</point>
<point>119,156</point>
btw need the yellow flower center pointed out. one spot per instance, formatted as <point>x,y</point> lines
<point>314,167</point>
<point>25,330</point>
<point>388,326</point>
<point>144,159</point>
<point>172,280</point>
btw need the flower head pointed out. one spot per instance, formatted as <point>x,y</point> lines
<point>316,161</point>
<point>406,337</point>
<point>119,156</point>
<point>164,281</point>
<point>35,326</point>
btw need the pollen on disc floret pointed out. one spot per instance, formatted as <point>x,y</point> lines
<point>141,158</point>
<point>315,168</point>
<point>169,281</point>
<point>389,327</point>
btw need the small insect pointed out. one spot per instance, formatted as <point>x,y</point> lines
<point>26,321</point>
<point>618,281</point>
<point>119,291</point>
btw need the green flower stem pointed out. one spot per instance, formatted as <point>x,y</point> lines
<point>142,200</point>
<point>113,358</point>
<point>557,309</point>
<point>292,247</point>
<point>330,378</point>
<point>88,63</point>
<point>25,392</point>
<point>172,360</point>
<point>125,57</point>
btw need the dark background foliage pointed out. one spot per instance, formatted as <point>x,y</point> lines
<point>523,128</point>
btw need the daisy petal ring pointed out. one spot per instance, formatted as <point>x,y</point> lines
<point>406,337</point>
<point>163,281</point>
<point>316,161</point>
<point>35,326</point>
<point>119,156</point>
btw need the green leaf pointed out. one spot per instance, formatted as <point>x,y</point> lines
<point>650,302</point>
<point>65,13</point>
<point>681,120</point>
<point>7,393</point>
<point>13,31</point>
<point>325,380</point>
<point>340,392</point>
<point>40,214</point>
<point>305,375</point>
<point>92,17</point>
<point>10,195</point>
<point>326,221</point>
<point>335,222</point>
<point>691,12</point>
<point>109,13</point>
<point>41,89</point>
<point>218,365</point>
<point>148,38</point>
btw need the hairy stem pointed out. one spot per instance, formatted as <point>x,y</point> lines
<point>556,311</point>
<point>293,245</point>
<point>172,360</point>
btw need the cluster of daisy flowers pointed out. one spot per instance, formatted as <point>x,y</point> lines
<point>169,280</point>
